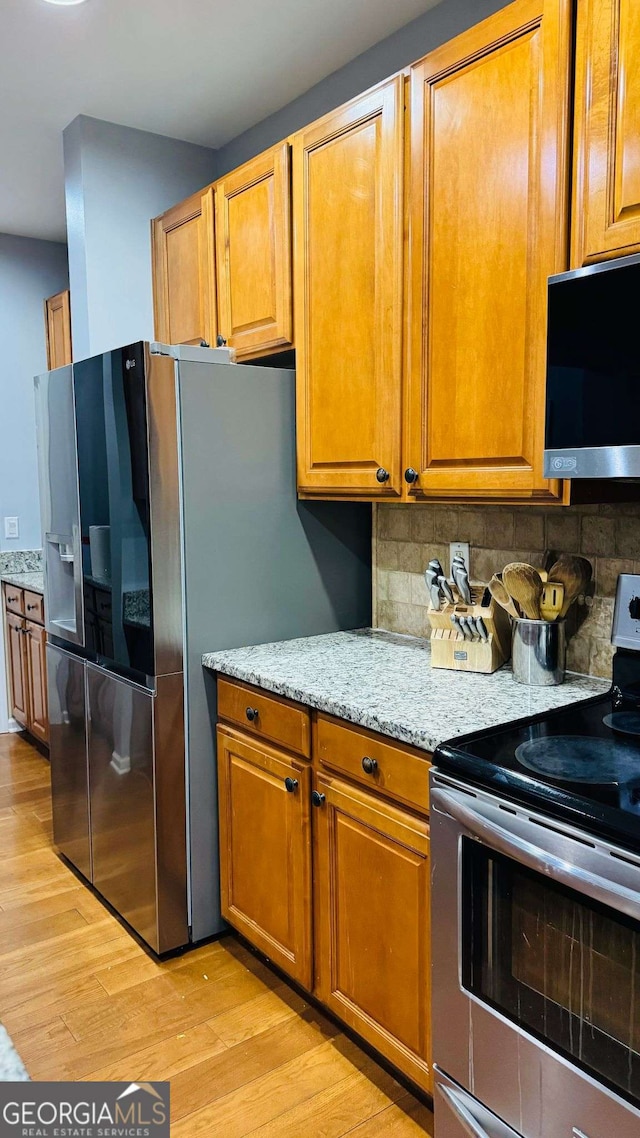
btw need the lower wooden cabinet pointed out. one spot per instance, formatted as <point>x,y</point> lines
<point>18,660</point>
<point>26,661</point>
<point>265,850</point>
<point>36,641</point>
<point>328,878</point>
<point>371,877</point>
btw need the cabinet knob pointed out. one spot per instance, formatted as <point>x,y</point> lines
<point>411,475</point>
<point>31,607</point>
<point>382,475</point>
<point>220,340</point>
<point>252,714</point>
<point>318,799</point>
<point>291,785</point>
<point>12,600</point>
<point>369,766</point>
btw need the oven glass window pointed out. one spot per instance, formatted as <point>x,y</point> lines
<point>557,964</point>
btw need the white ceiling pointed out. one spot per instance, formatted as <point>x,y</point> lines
<point>200,70</point>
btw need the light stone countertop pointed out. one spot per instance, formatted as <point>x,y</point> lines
<point>385,682</point>
<point>33,581</point>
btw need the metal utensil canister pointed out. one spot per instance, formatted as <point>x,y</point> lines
<point>538,652</point>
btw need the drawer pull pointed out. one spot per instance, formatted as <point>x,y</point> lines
<point>291,785</point>
<point>31,607</point>
<point>12,600</point>
<point>318,799</point>
<point>369,766</point>
<point>252,714</point>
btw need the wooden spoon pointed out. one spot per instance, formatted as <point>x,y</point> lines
<point>524,584</point>
<point>574,573</point>
<point>500,594</point>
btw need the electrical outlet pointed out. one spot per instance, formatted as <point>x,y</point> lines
<point>11,527</point>
<point>459,549</point>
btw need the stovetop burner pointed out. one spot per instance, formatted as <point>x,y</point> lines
<point>578,758</point>
<point>624,722</point>
<point>580,762</point>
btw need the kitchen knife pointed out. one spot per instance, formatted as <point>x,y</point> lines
<point>455,620</point>
<point>466,630</point>
<point>431,578</point>
<point>436,566</point>
<point>462,581</point>
<point>445,587</point>
<point>482,629</point>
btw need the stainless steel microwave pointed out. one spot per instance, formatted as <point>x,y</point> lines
<point>593,372</point>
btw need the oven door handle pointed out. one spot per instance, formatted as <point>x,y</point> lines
<point>457,1102</point>
<point>609,880</point>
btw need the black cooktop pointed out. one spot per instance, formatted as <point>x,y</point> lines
<point>581,763</point>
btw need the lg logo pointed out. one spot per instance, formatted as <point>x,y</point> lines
<point>129,364</point>
<point>564,463</point>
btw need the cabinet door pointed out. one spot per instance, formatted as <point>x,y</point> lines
<point>265,850</point>
<point>606,207</point>
<point>347,179</point>
<point>57,317</point>
<point>488,224</point>
<point>36,640</point>
<point>253,255</point>
<point>372,922</point>
<point>18,668</point>
<point>183,272</point>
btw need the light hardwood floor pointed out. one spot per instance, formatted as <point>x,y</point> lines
<point>245,1054</point>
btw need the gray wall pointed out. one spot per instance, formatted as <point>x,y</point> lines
<point>405,46</point>
<point>116,179</point>
<point>30,270</point>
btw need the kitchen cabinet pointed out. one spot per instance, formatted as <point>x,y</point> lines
<point>265,849</point>
<point>183,272</point>
<point>57,320</point>
<point>26,639</point>
<point>324,856</point>
<point>253,255</point>
<point>348,265</point>
<point>606,205</point>
<point>18,669</point>
<point>488,212</point>
<point>371,867</point>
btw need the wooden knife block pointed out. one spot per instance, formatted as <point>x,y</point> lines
<point>450,649</point>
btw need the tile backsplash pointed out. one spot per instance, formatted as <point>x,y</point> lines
<point>406,537</point>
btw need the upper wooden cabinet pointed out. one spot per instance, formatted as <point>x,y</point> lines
<point>183,273</point>
<point>253,255</point>
<point>57,320</point>
<point>488,224</point>
<point>347,186</point>
<point>606,213</point>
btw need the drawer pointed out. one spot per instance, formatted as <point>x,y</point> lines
<point>266,716</point>
<point>34,607</point>
<point>14,599</point>
<point>401,774</point>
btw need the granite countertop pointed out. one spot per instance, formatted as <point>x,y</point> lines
<point>27,580</point>
<point>385,682</point>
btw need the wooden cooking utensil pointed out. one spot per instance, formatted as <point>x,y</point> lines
<point>575,574</point>
<point>500,594</point>
<point>524,584</point>
<point>551,600</point>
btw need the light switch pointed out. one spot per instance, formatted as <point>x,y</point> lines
<point>11,527</point>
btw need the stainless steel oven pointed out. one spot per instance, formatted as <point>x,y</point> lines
<point>536,973</point>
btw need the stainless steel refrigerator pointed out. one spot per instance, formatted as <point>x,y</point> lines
<point>171,527</point>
